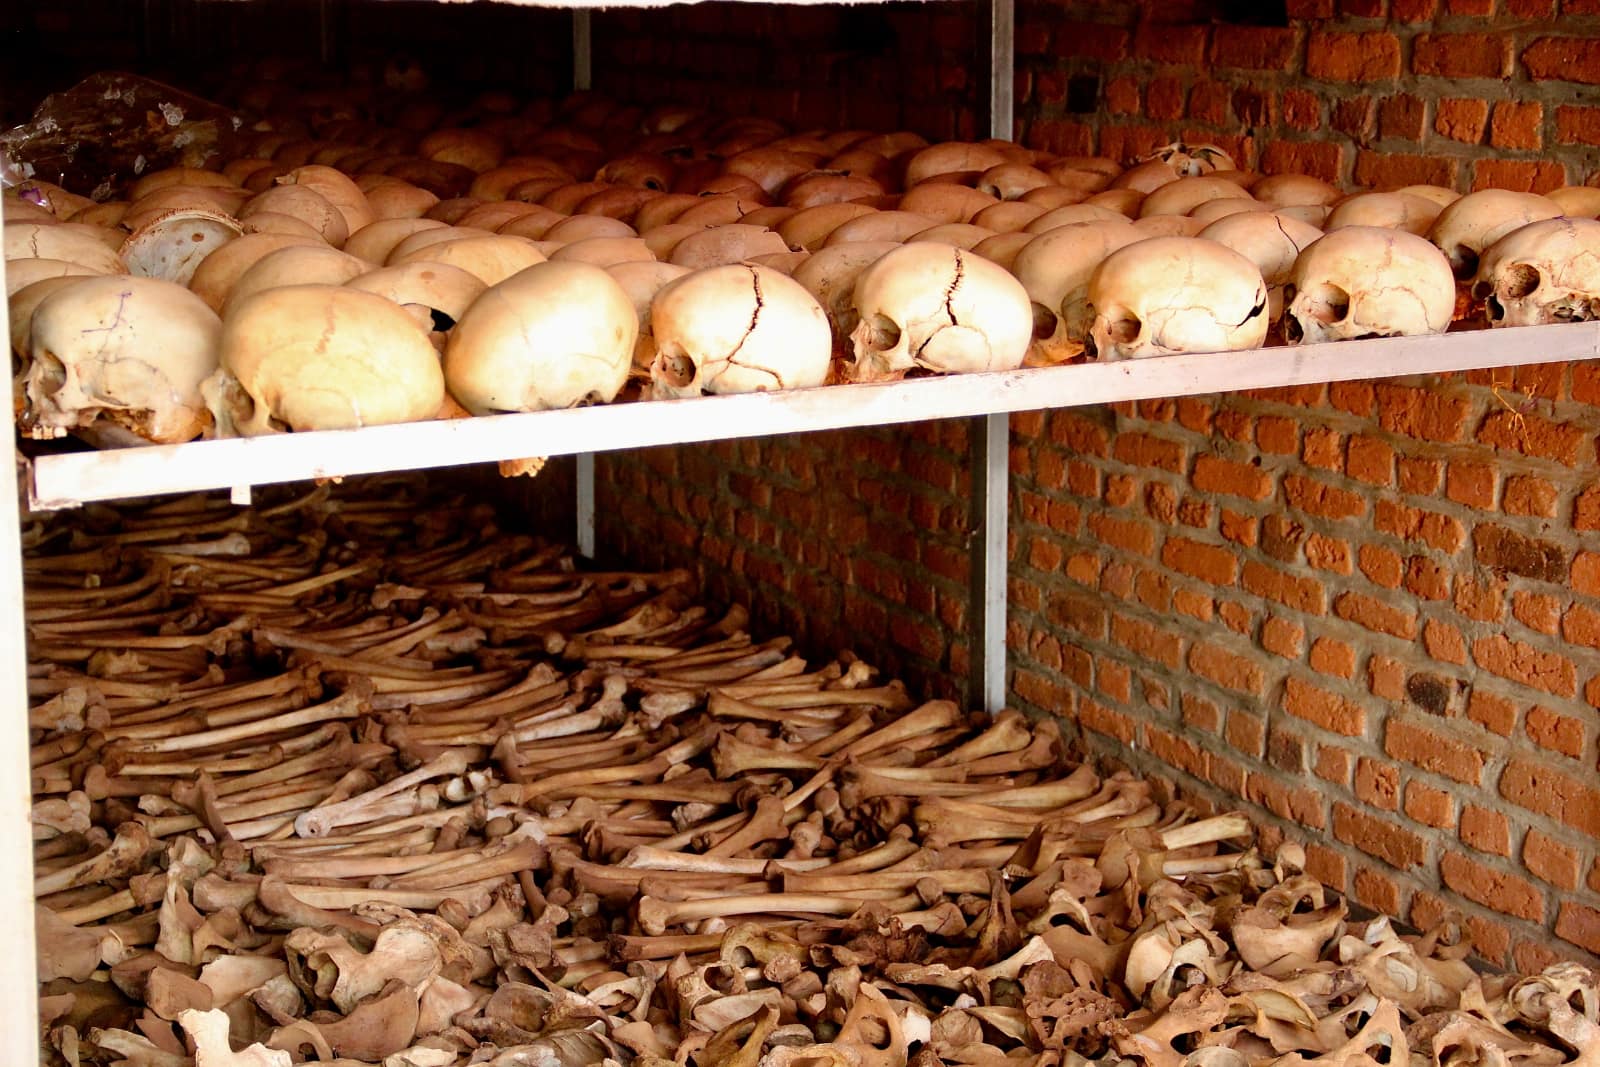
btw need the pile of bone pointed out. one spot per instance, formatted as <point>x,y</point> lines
<point>519,258</point>
<point>363,780</point>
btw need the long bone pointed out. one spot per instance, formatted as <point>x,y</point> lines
<point>120,859</point>
<point>324,820</point>
<point>655,915</point>
<point>345,706</point>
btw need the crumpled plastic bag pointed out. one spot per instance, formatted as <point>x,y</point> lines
<point>112,127</point>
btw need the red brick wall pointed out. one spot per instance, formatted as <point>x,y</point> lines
<point>1370,613</point>
<point>1462,93</point>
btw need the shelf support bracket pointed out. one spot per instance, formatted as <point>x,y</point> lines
<point>991,436</point>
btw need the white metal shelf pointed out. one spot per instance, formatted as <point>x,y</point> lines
<point>69,479</point>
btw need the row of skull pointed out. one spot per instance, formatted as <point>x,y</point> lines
<point>1205,267</point>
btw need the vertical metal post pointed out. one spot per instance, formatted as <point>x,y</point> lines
<point>582,49</point>
<point>19,1004</point>
<point>585,504</point>
<point>991,436</point>
<point>583,79</point>
<point>325,32</point>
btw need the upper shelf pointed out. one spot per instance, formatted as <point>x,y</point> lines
<point>66,480</point>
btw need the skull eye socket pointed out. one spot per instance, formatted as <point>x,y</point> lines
<point>1327,303</point>
<point>1044,322</point>
<point>676,369</point>
<point>1520,281</point>
<point>885,332</point>
<point>1464,260</point>
<point>1124,330</point>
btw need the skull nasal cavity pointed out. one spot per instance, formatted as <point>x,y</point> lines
<point>1521,280</point>
<point>1328,303</point>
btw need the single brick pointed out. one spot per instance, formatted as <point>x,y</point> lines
<point>1167,42</point>
<point>1549,859</point>
<point>1521,176</point>
<point>1536,611</point>
<point>1143,450</point>
<point>1376,615</point>
<point>1480,600</point>
<point>1517,124</point>
<point>1377,784</point>
<point>1541,789</point>
<point>1472,484</point>
<point>1521,662</point>
<point>1558,733</point>
<point>1533,436</point>
<point>1302,110</point>
<point>1427,579</point>
<point>1581,626</point>
<point>1297,592</point>
<point>1528,494</point>
<point>1332,764</point>
<point>1486,830</point>
<point>1215,475</point>
<point>1226,668</point>
<point>1163,99</point>
<point>1579,924</point>
<point>1393,844</point>
<point>1319,498</point>
<point>1353,57</point>
<point>1332,656</point>
<point>1321,708</point>
<point>1323,448</point>
<point>1429,806</point>
<point>1328,553</point>
<point>1462,55</point>
<point>1376,890</point>
<point>1444,642</point>
<point>1318,159</point>
<point>1573,59</point>
<point>1422,413</point>
<point>1494,713</point>
<point>1382,566</point>
<point>1277,435</point>
<point>1432,751</point>
<point>1282,637</point>
<point>1403,116</point>
<point>1369,460</point>
<point>1503,891</point>
<point>1586,573</point>
<point>1354,116</point>
<point>1255,47</point>
<point>1430,692</point>
<point>1130,535</point>
<point>1386,678</point>
<point>1383,169</point>
<point>1462,119</point>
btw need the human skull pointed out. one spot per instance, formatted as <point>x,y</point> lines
<point>1467,226</point>
<point>64,241</point>
<point>1367,281</point>
<point>641,282</point>
<point>1175,294</point>
<point>937,308</point>
<point>830,276</point>
<point>1191,160</point>
<point>436,295</point>
<point>321,357</point>
<point>737,328</point>
<point>172,246</point>
<point>1544,272</point>
<point>130,350</point>
<point>552,336</point>
<point>1055,268</point>
<point>1395,211</point>
<point>1272,242</point>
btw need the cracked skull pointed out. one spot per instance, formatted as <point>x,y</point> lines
<point>937,308</point>
<point>1175,294</point>
<point>1545,272</point>
<point>551,336</point>
<point>127,349</point>
<point>738,328</point>
<point>1366,281</point>
<point>1272,242</point>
